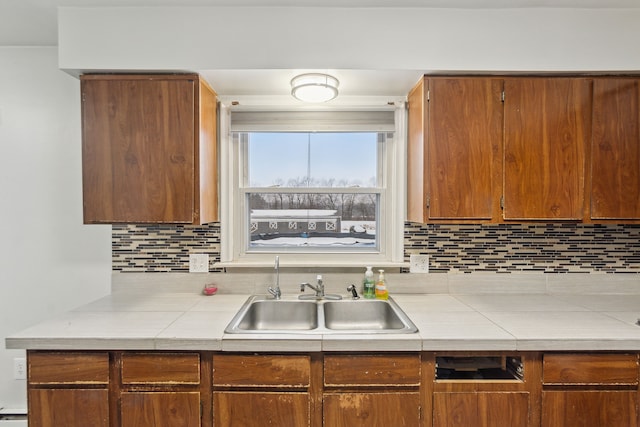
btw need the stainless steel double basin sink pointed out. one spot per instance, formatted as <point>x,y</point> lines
<point>261,314</point>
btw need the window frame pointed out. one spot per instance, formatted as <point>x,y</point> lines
<point>391,210</point>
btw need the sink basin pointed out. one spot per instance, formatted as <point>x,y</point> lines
<point>364,315</point>
<point>260,314</point>
<point>276,315</point>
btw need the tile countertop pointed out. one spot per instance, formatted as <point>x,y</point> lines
<point>446,322</point>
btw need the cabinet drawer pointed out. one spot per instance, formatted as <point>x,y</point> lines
<point>68,368</point>
<point>590,369</point>
<point>257,370</point>
<point>367,370</point>
<point>163,368</point>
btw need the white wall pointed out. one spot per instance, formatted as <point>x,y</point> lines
<point>49,261</point>
<point>427,39</point>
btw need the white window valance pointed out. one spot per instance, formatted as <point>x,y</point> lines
<point>312,121</point>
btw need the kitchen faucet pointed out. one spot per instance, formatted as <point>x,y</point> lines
<point>276,292</point>
<point>319,290</point>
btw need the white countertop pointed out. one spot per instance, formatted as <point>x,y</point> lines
<point>447,322</point>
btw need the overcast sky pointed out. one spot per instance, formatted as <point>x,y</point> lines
<point>284,156</point>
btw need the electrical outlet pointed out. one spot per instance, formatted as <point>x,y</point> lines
<point>20,368</point>
<point>198,263</point>
<point>418,263</point>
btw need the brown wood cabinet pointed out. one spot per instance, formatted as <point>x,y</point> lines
<point>615,149</point>
<point>547,124</point>
<point>421,389</point>
<point>474,389</point>
<point>160,389</point>
<point>482,409</point>
<point>417,192</point>
<point>68,389</point>
<point>160,409</point>
<point>262,390</point>
<point>558,148</point>
<point>149,149</point>
<point>455,146</point>
<point>365,390</point>
<point>590,390</point>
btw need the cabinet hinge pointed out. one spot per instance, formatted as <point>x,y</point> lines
<point>428,202</point>
<point>501,202</point>
<point>502,96</point>
<point>428,95</point>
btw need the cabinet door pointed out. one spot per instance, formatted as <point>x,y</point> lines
<point>589,408</point>
<point>484,409</point>
<point>371,409</point>
<point>257,409</point>
<point>160,409</point>
<point>138,143</point>
<point>547,126</point>
<point>416,153</point>
<point>68,407</point>
<point>464,142</point>
<point>615,150</point>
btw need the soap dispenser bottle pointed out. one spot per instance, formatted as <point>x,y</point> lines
<point>381,286</point>
<point>368,284</point>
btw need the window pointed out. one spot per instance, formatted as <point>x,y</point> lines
<point>327,196</point>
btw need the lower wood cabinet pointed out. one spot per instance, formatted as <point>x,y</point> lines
<point>589,408</point>
<point>160,409</point>
<point>413,389</point>
<point>590,390</point>
<point>354,409</point>
<point>68,389</point>
<point>262,390</point>
<point>480,389</point>
<point>371,390</point>
<point>261,408</point>
<point>160,389</point>
<point>482,409</point>
<point>77,407</point>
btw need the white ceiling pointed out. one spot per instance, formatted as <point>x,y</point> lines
<point>34,23</point>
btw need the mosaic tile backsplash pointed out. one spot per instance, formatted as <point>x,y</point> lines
<point>500,248</point>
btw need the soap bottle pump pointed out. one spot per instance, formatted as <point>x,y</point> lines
<point>381,286</point>
<point>368,284</point>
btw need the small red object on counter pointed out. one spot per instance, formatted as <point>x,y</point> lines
<point>210,289</point>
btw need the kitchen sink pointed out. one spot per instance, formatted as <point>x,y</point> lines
<point>261,314</point>
<point>277,315</point>
<point>364,315</point>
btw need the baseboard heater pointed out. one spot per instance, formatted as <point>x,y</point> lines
<point>13,417</point>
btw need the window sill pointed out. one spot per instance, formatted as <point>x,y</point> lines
<point>311,264</point>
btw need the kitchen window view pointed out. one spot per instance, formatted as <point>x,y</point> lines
<point>312,191</point>
<point>320,187</point>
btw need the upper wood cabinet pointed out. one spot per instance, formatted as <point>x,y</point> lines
<point>547,124</point>
<point>149,149</point>
<point>416,153</point>
<point>454,173</point>
<point>493,149</point>
<point>615,149</point>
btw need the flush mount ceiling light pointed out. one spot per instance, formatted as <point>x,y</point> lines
<point>314,87</point>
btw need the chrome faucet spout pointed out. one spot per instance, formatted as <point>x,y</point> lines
<point>307,284</point>
<point>275,291</point>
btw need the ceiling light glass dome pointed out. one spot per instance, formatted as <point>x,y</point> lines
<point>314,87</point>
